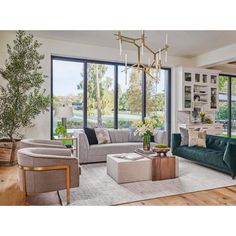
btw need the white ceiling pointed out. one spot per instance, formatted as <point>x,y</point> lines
<point>182,43</point>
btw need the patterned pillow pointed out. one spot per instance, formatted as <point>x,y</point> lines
<point>185,136</point>
<point>103,136</point>
<point>197,138</point>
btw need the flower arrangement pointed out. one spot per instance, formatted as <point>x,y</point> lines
<point>146,128</point>
<point>202,115</point>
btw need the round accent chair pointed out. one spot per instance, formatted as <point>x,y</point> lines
<point>47,169</point>
<point>43,143</point>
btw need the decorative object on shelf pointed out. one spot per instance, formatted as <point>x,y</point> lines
<point>195,118</point>
<point>202,115</point>
<point>140,43</point>
<point>208,120</point>
<point>64,112</point>
<point>146,129</point>
<point>213,98</point>
<point>161,149</point>
<point>196,98</point>
<point>21,96</point>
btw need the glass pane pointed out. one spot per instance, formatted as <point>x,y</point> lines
<point>100,95</point>
<point>187,96</point>
<point>204,79</point>
<point>233,107</point>
<point>222,113</point>
<point>197,78</point>
<point>187,77</point>
<point>129,97</point>
<point>156,97</point>
<point>68,91</point>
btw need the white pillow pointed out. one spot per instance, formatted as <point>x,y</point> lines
<point>102,135</point>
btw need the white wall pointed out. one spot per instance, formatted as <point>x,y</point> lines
<point>62,48</point>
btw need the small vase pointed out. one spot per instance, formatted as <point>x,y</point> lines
<point>146,142</point>
<point>202,119</point>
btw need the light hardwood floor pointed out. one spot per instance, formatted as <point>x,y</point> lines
<point>11,195</point>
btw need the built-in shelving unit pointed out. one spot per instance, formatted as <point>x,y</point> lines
<point>198,91</point>
<point>197,88</point>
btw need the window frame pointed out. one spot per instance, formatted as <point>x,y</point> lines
<point>229,102</point>
<point>115,64</point>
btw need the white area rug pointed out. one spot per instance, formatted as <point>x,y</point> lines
<point>97,188</point>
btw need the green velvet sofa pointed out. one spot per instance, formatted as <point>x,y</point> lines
<point>220,153</point>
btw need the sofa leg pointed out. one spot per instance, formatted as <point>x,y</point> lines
<point>233,175</point>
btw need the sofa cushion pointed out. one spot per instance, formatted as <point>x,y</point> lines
<point>202,155</point>
<point>119,135</point>
<point>185,135</point>
<point>103,136</point>
<point>197,138</point>
<point>113,148</point>
<point>217,142</point>
<point>91,136</point>
<point>161,137</point>
<point>132,137</point>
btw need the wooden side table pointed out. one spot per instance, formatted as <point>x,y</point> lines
<point>165,167</point>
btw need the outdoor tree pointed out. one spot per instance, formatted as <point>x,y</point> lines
<point>223,84</point>
<point>134,93</point>
<point>21,96</point>
<point>100,99</point>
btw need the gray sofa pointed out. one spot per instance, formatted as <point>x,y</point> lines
<point>120,143</point>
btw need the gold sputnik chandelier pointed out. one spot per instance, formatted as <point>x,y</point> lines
<point>154,62</point>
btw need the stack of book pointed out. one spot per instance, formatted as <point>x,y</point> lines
<point>129,156</point>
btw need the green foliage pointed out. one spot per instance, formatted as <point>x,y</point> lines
<point>100,98</point>
<point>161,145</point>
<point>134,92</point>
<point>208,120</point>
<point>60,130</point>
<point>21,99</point>
<point>222,113</point>
<point>159,120</point>
<point>223,84</point>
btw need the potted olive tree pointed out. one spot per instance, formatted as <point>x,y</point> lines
<point>21,96</point>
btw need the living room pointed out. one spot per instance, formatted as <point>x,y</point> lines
<point>117,117</point>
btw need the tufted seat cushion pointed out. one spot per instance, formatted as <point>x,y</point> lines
<point>217,143</point>
<point>202,155</point>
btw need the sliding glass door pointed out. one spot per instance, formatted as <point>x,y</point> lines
<point>233,107</point>
<point>67,89</point>
<point>226,114</point>
<point>103,95</point>
<point>100,95</point>
<point>129,97</point>
<point>222,115</point>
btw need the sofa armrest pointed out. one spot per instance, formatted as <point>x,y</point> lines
<point>230,156</point>
<point>161,137</point>
<point>176,140</point>
<point>83,147</point>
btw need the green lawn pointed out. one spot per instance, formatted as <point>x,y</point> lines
<point>232,136</point>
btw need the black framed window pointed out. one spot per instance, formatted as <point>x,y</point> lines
<point>102,95</point>
<point>226,114</point>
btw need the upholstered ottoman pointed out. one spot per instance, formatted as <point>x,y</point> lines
<point>125,171</point>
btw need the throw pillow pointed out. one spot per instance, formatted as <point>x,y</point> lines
<point>185,135</point>
<point>197,138</point>
<point>103,136</point>
<point>132,137</point>
<point>91,135</point>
